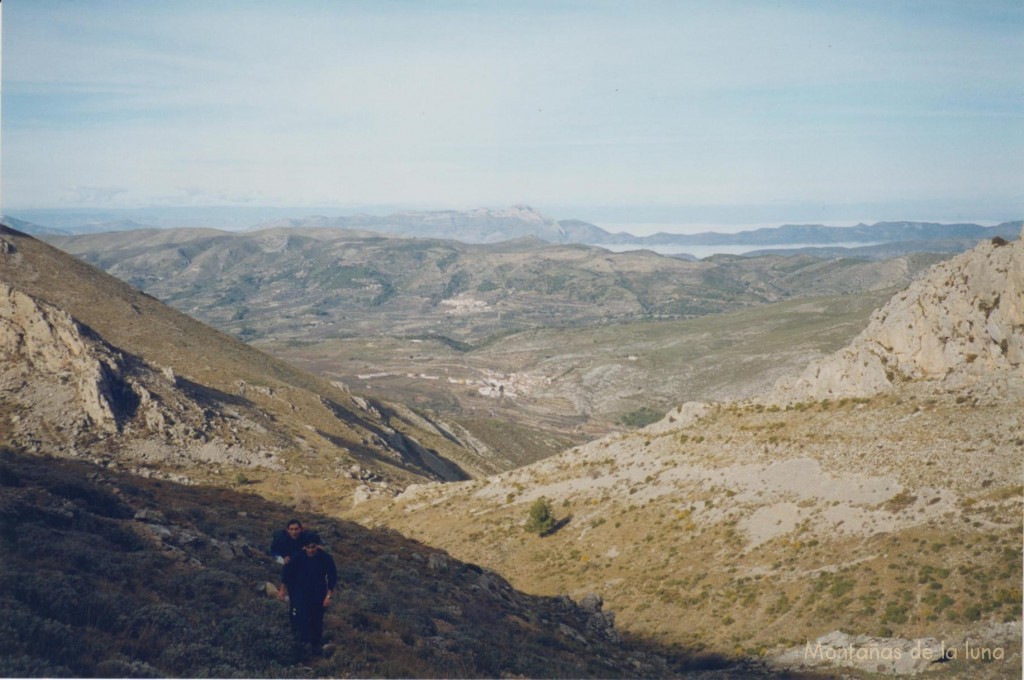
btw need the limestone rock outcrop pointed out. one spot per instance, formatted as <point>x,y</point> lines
<point>963,322</point>
<point>43,349</point>
<point>63,388</point>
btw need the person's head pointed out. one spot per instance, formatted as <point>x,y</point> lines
<point>310,543</point>
<point>294,528</point>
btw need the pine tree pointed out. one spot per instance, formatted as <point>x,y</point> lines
<point>542,518</point>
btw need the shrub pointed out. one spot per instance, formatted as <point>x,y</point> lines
<point>188,659</point>
<point>162,619</point>
<point>23,666</point>
<point>972,612</point>
<point>895,613</point>
<point>642,417</point>
<point>210,587</point>
<point>899,502</point>
<point>541,519</point>
<point>48,593</point>
<point>120,536</point>
<point>262,632</point>
<point>21,630</point>
<point>96,500</point>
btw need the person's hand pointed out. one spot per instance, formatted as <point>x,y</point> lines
<point>327,601</point>
<point>281,594</point>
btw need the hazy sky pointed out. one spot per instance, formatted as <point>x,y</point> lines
<point>565,105</point>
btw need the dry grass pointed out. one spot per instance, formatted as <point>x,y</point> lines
<point>705,535</point>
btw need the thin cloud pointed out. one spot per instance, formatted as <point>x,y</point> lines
<point>93,196</point>
<point>471,104</point>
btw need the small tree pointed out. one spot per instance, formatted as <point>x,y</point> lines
<point>542,519</point>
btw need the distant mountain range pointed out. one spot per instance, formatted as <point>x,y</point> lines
<point>305,282</point>
<point>880,232</point>
<point>485,225</point>
<point>103,227</point>
<point>474,226</point>
<point>492,226</point>
<point>32,228</point>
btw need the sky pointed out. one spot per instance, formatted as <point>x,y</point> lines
<point>630,111</point>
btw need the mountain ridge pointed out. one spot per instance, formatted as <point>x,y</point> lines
<point>762,525</point>
<point>438,322</point>
<point>493,225</point>
<point>231,397</point>
<point>313,282</point>
<point>484,225</point>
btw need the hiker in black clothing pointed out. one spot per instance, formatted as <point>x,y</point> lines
<point>286,542</point>
<point>308,580</point>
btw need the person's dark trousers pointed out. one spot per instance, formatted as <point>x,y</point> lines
<point>309,625</point>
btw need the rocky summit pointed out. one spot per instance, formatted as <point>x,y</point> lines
<point>961,324</point>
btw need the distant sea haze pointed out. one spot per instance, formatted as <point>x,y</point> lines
<point>689,228</point>
<point>651,228</point>
<point>700,252</point>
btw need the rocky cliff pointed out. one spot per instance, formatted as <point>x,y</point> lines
<point>84,377</point>
<point>67,389</point>
<point>962,323</point>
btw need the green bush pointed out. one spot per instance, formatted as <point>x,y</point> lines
<point>642,417</point>
<point>541,519</point>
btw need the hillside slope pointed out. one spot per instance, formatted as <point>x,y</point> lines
<point>95,367</point>
<point>106,574</point>
<point>752,527</point>
<point>522,348</point>
<point>306,285</point>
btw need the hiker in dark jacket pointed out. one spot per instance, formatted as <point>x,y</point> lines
<point>308,580</point>
<point>286,542</point>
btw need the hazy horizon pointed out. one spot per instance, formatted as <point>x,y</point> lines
<point>245,217</point>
